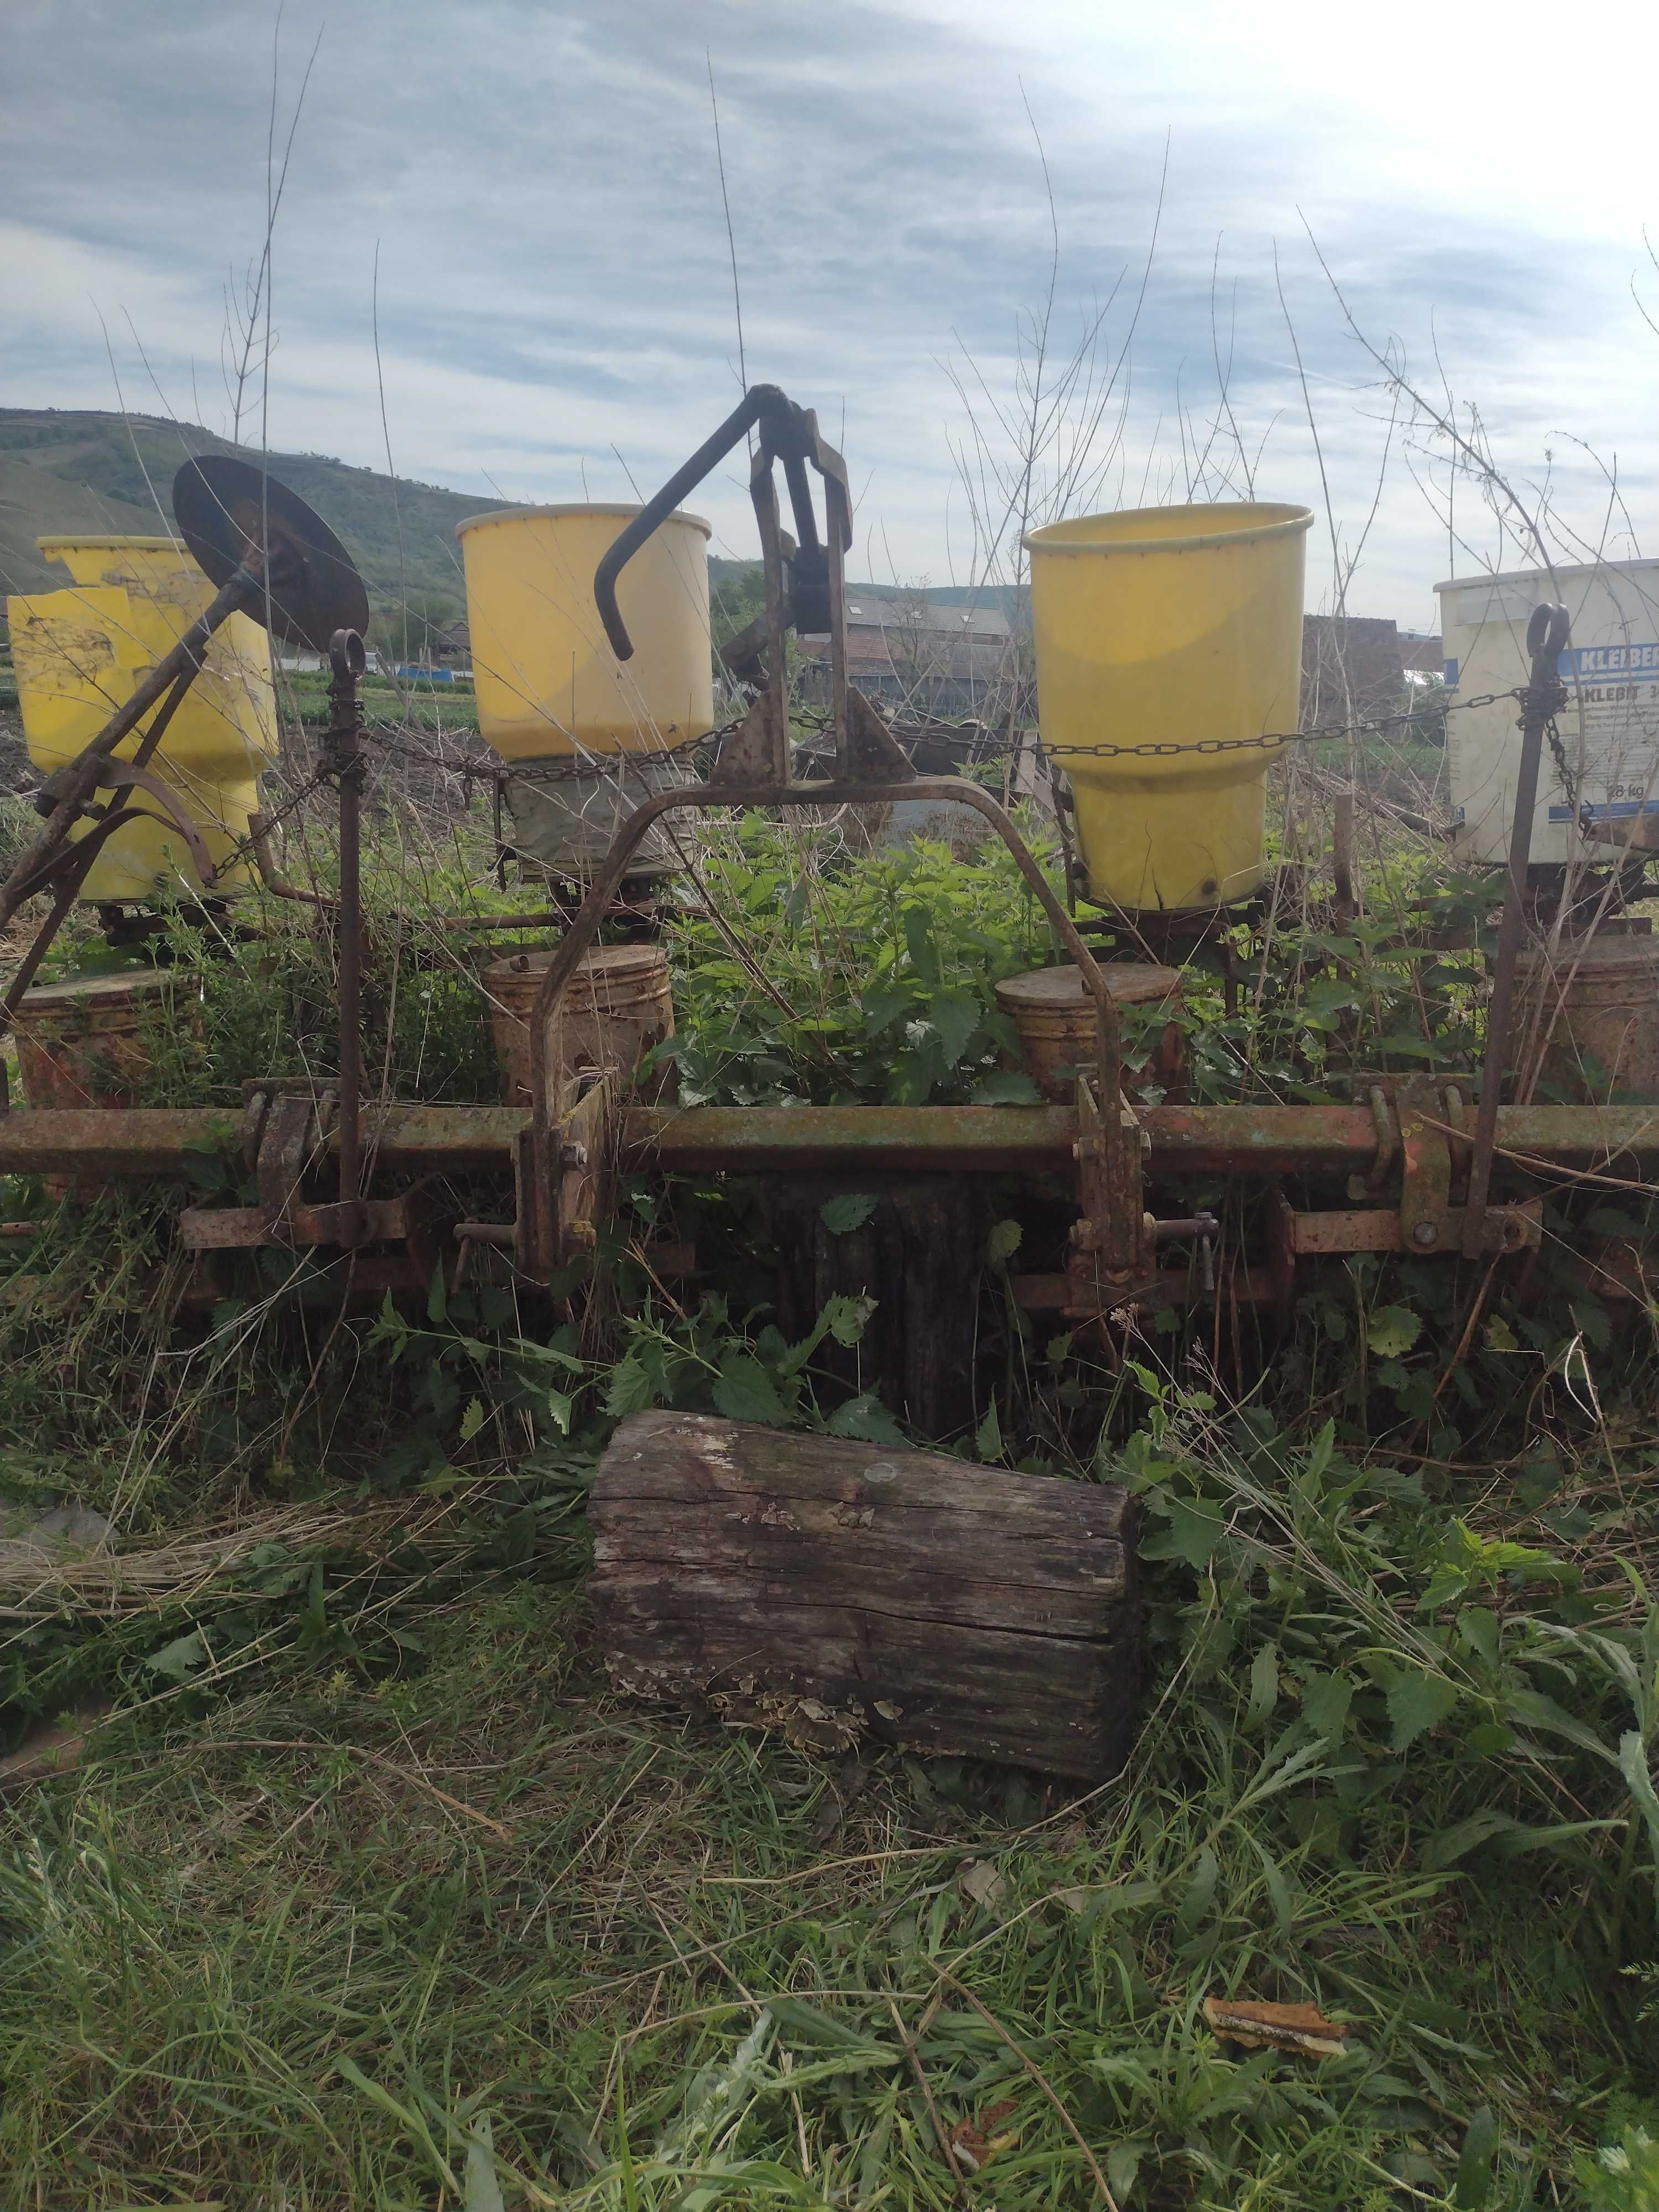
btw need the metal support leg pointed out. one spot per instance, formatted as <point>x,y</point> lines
<point>1547,637</point>
<point>343,760</point>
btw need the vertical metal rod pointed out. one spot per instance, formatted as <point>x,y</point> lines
<point>1547,637</point>
<point>344,762</point>
<point>837,528</point>
<point>1342,850</point>
<point>764,491</point>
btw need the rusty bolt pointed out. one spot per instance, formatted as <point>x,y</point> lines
<point>572,1155</point>
<point>581,1235</point>
<point>1425,1234</point>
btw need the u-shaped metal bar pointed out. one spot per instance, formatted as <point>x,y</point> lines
<point>945,790</point>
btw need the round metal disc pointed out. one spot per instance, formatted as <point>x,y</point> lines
<point>223,507</point>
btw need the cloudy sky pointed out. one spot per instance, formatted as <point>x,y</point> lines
<point>555,308</point>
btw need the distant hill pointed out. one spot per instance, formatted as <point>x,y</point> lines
<point>62,470</point>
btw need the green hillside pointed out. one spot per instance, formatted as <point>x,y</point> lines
<point>63,470</point>
<point>69,470</point>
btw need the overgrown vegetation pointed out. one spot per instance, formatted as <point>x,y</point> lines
<point>367,1891</point>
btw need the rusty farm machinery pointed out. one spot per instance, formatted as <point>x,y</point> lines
<point>1423,1165</point>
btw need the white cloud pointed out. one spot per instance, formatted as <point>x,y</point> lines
<point>554,279</point>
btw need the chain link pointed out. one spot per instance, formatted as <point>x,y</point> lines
<point>394,740</point>
<point>1550,701</point>
<point>1156,749</point>
<point>243,848</point>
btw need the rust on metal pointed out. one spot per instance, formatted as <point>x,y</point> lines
<point>1258,1140</point>
<point>1111,1258</point>
<point>1385,1229</point>
<point>243,1228</point>
<point>453,1138</point>
<point>746,1140</point>
<point>1424,1168</point>
<point>279,885</point>
<point>115,1141</point>
<point>1584,1137</point>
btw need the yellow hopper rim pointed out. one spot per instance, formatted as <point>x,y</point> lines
<point>618,508</point>
<point>117,544</point>
<point>1278,520</point>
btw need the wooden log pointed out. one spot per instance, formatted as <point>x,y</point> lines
<point>842,1589</point>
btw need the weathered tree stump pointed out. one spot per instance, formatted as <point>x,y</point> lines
<point>843,1589</point>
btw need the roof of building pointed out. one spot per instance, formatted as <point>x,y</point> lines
<point>866,611</point>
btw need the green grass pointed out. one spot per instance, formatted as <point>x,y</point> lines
<point>368,1891</point>
<point>314,1943</point>
<point>433,708</point>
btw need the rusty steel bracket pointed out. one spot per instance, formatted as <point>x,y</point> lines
<point>296,1124</point>
<point>285,1135</point>
<point>120,775</point>
<point>585,1157</point>
<point>1412,1114</point>
<point>753,752</point>
<point>1113,1256</point>
<point>1383,1229</point>
<point>245,1228</point>
<point>1421,1124</point>
<point>1292,1235</point>
<point>1425,1165</point>
<point>560,1206</point>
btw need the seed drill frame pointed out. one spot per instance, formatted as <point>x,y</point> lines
<point>1416,1162</point>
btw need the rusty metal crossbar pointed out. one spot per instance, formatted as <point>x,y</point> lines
<point>1255,1142</point>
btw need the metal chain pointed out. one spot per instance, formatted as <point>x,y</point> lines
<point>389,735</point>
<point>243,848</point>
<point>1155,748</point>
<point>1568,781</point>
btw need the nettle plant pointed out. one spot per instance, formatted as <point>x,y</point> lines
<point>815,971</point>
<point>1391,1663</point>
<point>837,977</point>
<point>1398,990</point>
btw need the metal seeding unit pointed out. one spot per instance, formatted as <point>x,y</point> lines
<point>1410,1165</point>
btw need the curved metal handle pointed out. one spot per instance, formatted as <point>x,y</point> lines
<point>788,433</point>
<point>1548,631</point>
<point>759,400</point>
